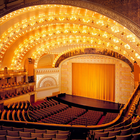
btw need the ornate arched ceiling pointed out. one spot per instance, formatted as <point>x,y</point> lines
<point>39,30</point>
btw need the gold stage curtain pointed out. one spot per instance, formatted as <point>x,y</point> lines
<point>94,80</point>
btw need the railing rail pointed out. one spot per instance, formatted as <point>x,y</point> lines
<point>127,105</point>
<point>70,126</point>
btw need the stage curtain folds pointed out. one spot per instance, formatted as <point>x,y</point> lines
<point>94,80</point>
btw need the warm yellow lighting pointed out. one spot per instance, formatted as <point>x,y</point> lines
<point>32,23</point>
<point>131,37</point>
<point>115,29</point>
<point>78,21</point>
<point>116,47</point>
<point>132,58</point>
<point>107,44</point>
<point>124,52</point>
<point>100,22</point>
<point>116,40</point>
<point>136,54</point>
<point>24,21</point>
<point>94,33</point>
<point>127,46</point>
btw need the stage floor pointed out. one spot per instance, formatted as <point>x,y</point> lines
<point>91,103</point>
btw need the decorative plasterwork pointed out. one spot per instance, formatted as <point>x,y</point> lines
<point>72,53</point>
<point>44,71</point>
<point>47,82</point>
<point>48,77</point>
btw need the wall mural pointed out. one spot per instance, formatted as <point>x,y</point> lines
<point>93,51</point>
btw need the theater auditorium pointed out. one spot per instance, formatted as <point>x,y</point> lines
<point>69,70</point>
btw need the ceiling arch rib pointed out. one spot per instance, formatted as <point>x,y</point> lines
<point>13,33</point>
<point>71,29</point>
<point>60,34</point>
<point>81,42</point>
<point>68,16</point>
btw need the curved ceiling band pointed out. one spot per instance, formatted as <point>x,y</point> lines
<point>112,31</point>
<point>86,51</point>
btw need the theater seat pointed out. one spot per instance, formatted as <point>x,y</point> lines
<point>35,135</point>
<point>126,131</point>
<point>13,133</point>
<point>61,136</point>
<point>135,129</point>
<point>136,136</point>
<point>12,138</point>
<point>2,137</point>
<point>7,128</point>
<point>24,134</point>
<point>108,138</point>
<point>49,135</point>
<point>125,137</point>
<point>97,135</point>
<point>113,133</point>
<point>63,132</point>
<point>17,129</point>
<point>3,132</point>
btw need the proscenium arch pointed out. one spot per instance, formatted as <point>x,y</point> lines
<point>95,51</point>
<point>89,6</point>
<point>81,45</point>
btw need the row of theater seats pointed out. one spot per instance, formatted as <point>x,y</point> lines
<point>43,104</point>
<point>64,116</point>
<point>50,111</point>
<point>12,84</point>
<point>125,130</point>
<point>45,108</point>
<point>14,133</point>
<point>109,117</point>
<point>16,111</point>
<point>14,94</point>
<point>91,117</point>
<point>18,105</point>
<point>37,115</point>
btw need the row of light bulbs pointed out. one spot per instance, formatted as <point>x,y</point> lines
<point>53,9</point>
<point>84,41</point>
<point>38,38</point>
<point>15,32</point>
<point>90,18</point>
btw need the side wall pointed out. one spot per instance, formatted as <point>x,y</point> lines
<point>47,82</point>
<point>124,79</point>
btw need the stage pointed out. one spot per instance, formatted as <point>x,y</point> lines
<point>89,103</point>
